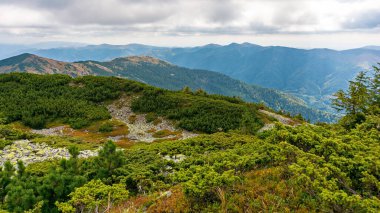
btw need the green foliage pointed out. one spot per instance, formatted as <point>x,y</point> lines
<point>324,168</point>
<point>150,117</point>
<point>108,161</point>
<point>200,112</point>
<point>4,143</point>
<point>9,134</point>
<point>361,98</point>
<point>59,142</point>
<point>94,196</point>
<point>308,168</point>
<point>106,127</point>
<point>201,182</point>
<point>39,99</point>
<point>357,96</point>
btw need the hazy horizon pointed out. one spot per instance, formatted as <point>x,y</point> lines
<point>64,44</point>
<point>334,24</point>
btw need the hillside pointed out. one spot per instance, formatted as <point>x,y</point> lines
<point>232,164</point>
<point>81,101</point>
<point>165,75</point>
<point>34,64</point>
<point>310,74</point>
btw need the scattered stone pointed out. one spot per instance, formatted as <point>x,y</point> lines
<point>115,138</point>
<point>176,158</point>
<point>166,194</point>
<point>266,127</point>
<point>139,128</point>
<point>55,131</point>
<point>282,119</point>
<point>30,152</point>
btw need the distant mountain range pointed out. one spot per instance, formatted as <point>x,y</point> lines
<point>165,75</point>
<point>310,74</point>
<point>9,50</point>
<point>371,47</point>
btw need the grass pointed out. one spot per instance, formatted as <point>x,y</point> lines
<point>85,138</point>
<point>92,133</point>
<point>132,119</point>
<point>20,126</point>
<point>4,143</point>
<point>125,143</point>
<point>165,133</point>
<point>60,142</point>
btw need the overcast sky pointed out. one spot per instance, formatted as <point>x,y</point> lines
<point>338,24</point>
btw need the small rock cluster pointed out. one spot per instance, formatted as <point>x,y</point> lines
<point>175,158</point>
<point>30,152</point>
<point>139,130</point>
<point>55,131</point>
<point>282,119</point>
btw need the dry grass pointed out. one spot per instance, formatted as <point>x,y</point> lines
<point>165,133</point>
<point>176,202</point>
<point>157,121</point>
<point>151,130</point>
<point>20,126</point>
<point>92,134</point>
<point>132,119</point>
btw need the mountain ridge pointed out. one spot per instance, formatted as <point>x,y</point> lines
<point>316,72</point>
<point>163,74</point>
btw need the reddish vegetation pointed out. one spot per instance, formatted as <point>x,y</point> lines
<point>176,202</point>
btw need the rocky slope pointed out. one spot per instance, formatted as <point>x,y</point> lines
<point>30,152</point>
<point>140,129</point>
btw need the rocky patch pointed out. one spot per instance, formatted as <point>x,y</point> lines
<point>55,131</point>
<point>30,152</point>
<point>282,119</point>
<point>139,128</point>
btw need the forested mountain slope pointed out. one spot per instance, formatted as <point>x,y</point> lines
<point>311,74</point>
<point>165,75</point>
<point>37,100</point>
<point>229,167</point>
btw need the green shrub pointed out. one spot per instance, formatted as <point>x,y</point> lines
<point>4,143</point>
<point>150,117</point>
<point>106,127</point>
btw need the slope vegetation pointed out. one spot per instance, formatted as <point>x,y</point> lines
<point>304,168</point>
<point>165,75</point>
<point>37,100</point>
<point>312,75</point>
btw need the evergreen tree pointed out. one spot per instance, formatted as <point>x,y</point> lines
<point>186,90</point>
<point>108,160</point>
<point>375,90</point>
<point>5,178</point>
<point>356,99</point>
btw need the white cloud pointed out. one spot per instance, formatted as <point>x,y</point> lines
<point>201,19</point>
<point>13,17</point>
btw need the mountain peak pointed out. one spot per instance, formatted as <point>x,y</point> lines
<point>371,47</point>
<point>141,59</point>
<point>30,63</point>
<point>19,59</point>
<point>245,44</point>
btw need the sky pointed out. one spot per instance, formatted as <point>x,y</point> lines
<point>337,24</point>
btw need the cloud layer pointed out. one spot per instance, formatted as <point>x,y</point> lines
<point>73,18</point>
